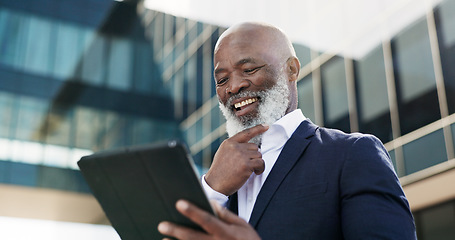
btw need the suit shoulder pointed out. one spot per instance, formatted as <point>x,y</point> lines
<point>338,136</point>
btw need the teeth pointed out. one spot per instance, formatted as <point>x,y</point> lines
<point>245,102</point>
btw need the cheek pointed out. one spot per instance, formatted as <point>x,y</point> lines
<point>221,92</point>
<point>264,82</point>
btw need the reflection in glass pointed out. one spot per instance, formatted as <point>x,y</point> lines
<point>445,26</point>
<point>6,113</point>
<point>417,155</point>
<point>34,153</point>
<point>93,60</point>
<point>416,84</point>
<point>38,48</point>
<point>306,97</point>
<point>68,49</point>
<point>452,127</point>
<point>193,84</point>
<point>58,126</point>
<point>14,35</point>
<point>22,174</point>
<point>303,54</point>
<point>31,118</point>
<point>88,126</point>
<point>335,96</point>
<point>143,130</point>
<point>119,67</point>
<point>437,223</point>
<point>56,156</point>
<point>373,104</point>
<point>145,71</point>
<point>217,117</point>
<point>394,161</point>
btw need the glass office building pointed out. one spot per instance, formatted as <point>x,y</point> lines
<point>79,76</point>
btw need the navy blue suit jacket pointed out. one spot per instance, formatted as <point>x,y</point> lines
<point>327,184</point>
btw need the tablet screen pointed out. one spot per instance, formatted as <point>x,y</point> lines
<point>138,187</point>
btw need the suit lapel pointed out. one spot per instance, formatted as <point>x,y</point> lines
<point>291,152</point>
<point>232,203</point>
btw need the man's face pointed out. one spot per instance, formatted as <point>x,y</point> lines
<point>251,86</point>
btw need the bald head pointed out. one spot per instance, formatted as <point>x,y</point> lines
<point>259,34</point>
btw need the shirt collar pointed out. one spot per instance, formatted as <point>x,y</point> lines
<point>280,131</point>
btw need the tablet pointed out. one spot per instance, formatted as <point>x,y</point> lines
<point>137,187</point>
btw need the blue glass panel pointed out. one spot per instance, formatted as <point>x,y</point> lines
<point>68,50</point>
<point>306,97</point>
<point>425,152</point>
<point>119,73</point>
<point>393,159</point>
<point>437,223</point>
<point>6,113</point>
<point>39,49</point>
<point>334,95</point>
<point>373,104</point>
<point>416,85</point>
<point>303,54</point>
<point>14,39</point>
<point>93,60</point>
<point>23,174</point>
<point>31,119</point>
<point>60,121</point>
<point>87,127</point>
<point>445,26</point>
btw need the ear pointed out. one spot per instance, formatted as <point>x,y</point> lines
<point>293,68</point>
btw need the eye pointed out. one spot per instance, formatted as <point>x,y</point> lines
<point>222,81</point>
<point>252,70</point>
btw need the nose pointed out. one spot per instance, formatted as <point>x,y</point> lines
<point>237,84</point>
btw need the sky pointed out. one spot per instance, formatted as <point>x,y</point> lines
<point>349,27</point>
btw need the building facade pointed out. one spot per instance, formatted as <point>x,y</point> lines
<point>77,77</point>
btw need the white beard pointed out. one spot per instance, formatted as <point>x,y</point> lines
<point>272,106</point>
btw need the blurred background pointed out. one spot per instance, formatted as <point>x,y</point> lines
<point>79,76</point>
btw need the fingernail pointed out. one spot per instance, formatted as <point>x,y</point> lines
<point>163,227</point>
<point>182,205</point>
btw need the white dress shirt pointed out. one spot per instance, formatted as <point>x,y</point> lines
<point>273,141</point>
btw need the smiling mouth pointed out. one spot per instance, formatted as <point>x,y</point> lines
<point>238,106</point>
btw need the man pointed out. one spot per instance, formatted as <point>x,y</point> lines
<point>285,176</point>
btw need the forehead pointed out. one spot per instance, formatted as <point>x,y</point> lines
<point>241,49</point>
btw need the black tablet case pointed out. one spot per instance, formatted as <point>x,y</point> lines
<point>138,187</point>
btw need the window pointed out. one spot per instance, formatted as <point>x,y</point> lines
<point>31,119</point>
<point>93,61</point>
<point>445,25</point>
<point>303,54</point>
<point>306,97</point>
<point>120,58</point>
<point>425,152</point>
<point>59,122</point>
<point>6,111</point>
<point>414,74</point>
<point>68,50</point>
<point>39,49</point>
<point>373,104</point>
<point>436,223</point>
<point>334,95</point>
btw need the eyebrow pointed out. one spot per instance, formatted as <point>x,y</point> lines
<point>238,63</point>
<point>244,61</point>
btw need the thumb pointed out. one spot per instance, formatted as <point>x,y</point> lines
<point>225,215</point>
